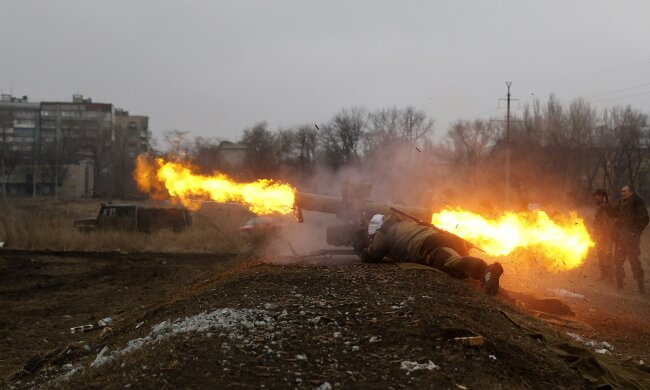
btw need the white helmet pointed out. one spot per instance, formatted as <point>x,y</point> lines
<point>375,223</point>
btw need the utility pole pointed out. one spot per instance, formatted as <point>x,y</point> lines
<point>508,84</point>
<point>508,152</point>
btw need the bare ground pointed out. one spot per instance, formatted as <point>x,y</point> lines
<point>347,324</point>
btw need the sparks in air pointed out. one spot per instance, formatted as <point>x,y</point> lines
<point>563,242</point>
<point>164,179</point>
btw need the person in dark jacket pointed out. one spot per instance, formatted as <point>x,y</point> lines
<point>412,242</point>
<point>604,235</point>
<point>631,218</point>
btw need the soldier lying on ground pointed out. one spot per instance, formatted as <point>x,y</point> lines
<point>410,241</point>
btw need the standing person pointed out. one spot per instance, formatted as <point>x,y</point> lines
<point>410,241</point>
<point>603,231</point>
<point>631,218</point>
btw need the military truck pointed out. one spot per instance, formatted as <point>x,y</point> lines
<point>135,218</point>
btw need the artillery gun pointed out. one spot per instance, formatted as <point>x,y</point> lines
<point>353,207</point>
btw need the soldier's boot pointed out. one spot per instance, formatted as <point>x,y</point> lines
<point>619,280</point>
<point>491,277</point>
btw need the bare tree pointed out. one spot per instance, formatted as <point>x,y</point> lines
<point>261,156</point>
<point>384,128</point>
<point>51,168</point>
<point>415,125</point>
<point>626,159</point>
<point>393,125</point>
<point>529,130</point>
<point>341,137</point>
<point>205,155</point>
<point>470,143</point>
<point>306,141</point>
<point>285,146</point>
<point>177,141</point>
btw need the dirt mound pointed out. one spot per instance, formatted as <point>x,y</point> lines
<point>346,326</point>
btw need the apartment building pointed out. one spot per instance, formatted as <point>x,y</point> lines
<point>132,138</point>
<point>76,148</point>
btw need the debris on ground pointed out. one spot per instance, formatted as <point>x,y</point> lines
<point>566,293</point>
<point>472,341</point>
<point>415,366</point>
<point>100,359</point>
<point>594,344</point>
<point>81,328</point>
<point>104,322</point>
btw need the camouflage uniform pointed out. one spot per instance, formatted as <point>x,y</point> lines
<point>631,219</point>
<point>604,237</point>
<point>409,241</point>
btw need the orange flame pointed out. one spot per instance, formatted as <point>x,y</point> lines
<point>163,179</point>
<point>564,242</point>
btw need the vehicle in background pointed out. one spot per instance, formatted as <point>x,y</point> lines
<point>261,229</point>
<point>262,225</point>
<point>136,218</point>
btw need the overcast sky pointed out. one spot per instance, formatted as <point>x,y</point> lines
<point>217,67</point>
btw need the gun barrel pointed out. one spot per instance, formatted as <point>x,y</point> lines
<point>317,202</point>
<point>336,205</point>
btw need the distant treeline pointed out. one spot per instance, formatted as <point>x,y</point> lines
<point>557,152</point>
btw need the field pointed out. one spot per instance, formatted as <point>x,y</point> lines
<point>47,225</point>
<point>273,320</point>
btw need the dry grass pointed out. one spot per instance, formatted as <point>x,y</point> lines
<point>46,224</point>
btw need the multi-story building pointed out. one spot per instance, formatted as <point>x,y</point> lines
<point>71,149</point>
<point>19,137</point>
<point>79,133</point>
<point>131,139</point>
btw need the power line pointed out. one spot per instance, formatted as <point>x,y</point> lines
<point>618,90</point>
<point>622,97</point>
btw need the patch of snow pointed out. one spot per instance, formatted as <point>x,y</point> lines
<point>233,321</point>
<point>324,386</point>
<point>415,366</point>
<point>73,371</point>
<point>594,344</point>
<point>105,322</point>
<point>100,359</point>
